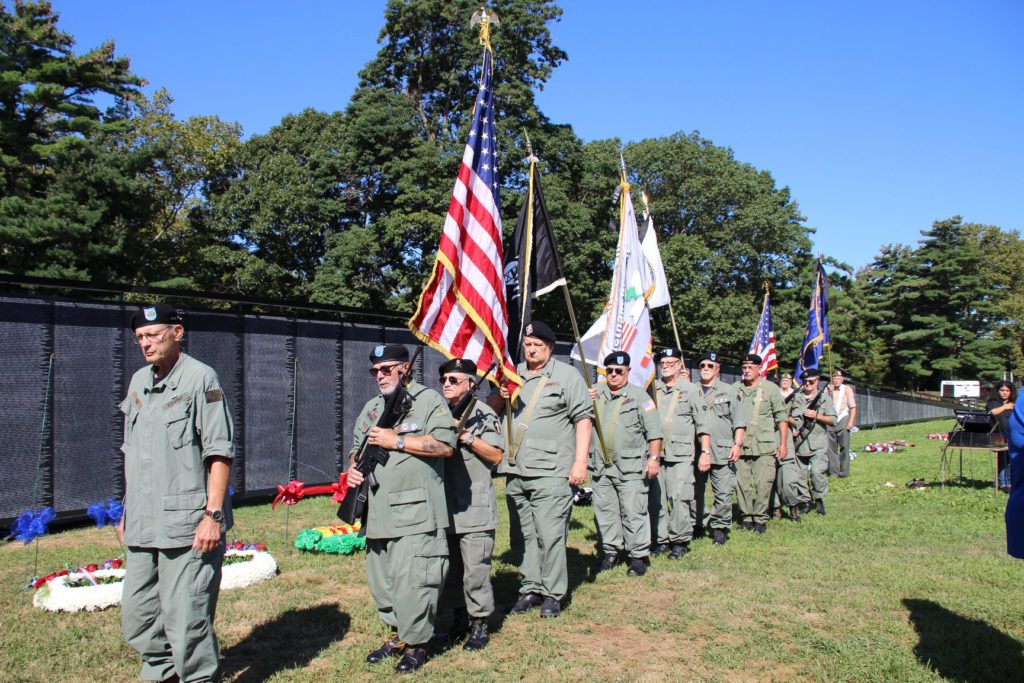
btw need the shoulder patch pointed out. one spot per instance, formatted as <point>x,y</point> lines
<point>648,406</point>
<point>214,395</point>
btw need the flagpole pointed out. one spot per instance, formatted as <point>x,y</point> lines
<point>586,370</point>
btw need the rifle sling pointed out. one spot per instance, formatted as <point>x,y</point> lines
<point>524,421</point>
<point>609,427</point>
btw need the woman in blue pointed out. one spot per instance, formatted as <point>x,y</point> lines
<point>1015,505</point>
<point>1000,405</point>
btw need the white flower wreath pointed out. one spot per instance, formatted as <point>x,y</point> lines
<point>59,596</point>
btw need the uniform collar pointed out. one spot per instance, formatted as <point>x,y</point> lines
<point>173,377</point>
<point>545,369</point>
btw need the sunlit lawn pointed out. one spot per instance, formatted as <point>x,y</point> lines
<point>893,585</point>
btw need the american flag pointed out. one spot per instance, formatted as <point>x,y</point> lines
<point>462,311</point>
<point>763,343</point>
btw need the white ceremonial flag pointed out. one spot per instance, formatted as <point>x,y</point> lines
<point>657,282</point>
<point>625,323</point>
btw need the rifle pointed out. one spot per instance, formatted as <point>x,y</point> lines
<point>369,458</point>
<point>807,427</point>
<point>464,408</point>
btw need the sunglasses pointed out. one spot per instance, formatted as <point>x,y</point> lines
<point>451,380</point>
<point>704,366</point>
<point>384,370</point>
<point>811,380</point>
<point>617,371</point>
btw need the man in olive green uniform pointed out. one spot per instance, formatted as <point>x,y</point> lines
<point>406,544</point>
<point>472,505</point>
<point>177,458</point>
<point>811,413</point>
<point>790,487</point>
<point>672,492</point>
<point>762,447</point>
<point>725,421</point>
<point>549,444</point>
<point>632,437</point>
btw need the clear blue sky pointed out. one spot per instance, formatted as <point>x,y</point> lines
<point>880,116</point>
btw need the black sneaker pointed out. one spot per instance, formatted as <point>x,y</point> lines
<point>794,513</point>
<point>527,602</point>
<point>679,550</point>
<point>391,648</point>
<point>608,562</point>
<point>478,635</point>
<point>659,549</point>
<point>637,567</point>
<point>747,524</point>
<point>551,608</point>
<point>412,660</point>
<point>719,537</point>
<point>760,528</point>
<point>819,507</point>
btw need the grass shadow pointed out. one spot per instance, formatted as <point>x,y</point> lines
<point>291,640</point>
<point>963,649</point>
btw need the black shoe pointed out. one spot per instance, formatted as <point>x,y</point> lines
<point>659,549</point>
<point>794,513</point>
<point>806,507</point>
<point>679,550</point>
<point>776,513</point>
<point>391,648</point>
<point>608,562</point>
<point>819,507</point>
<point>412,660</point>
<point>637,567</point>
<point>760,528</point>
<point>527,602</point>
<point>719,537</point>
<point>550,609</point>
<point>478,635</point>
<point>747,524</point>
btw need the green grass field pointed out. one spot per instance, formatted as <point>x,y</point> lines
<point>893,585</point>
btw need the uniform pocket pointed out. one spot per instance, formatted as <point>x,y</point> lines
<point>539,454</point>
<point>207,571</point>
<point>682,446</point>
<point>432,561</point>
<point>182,513</point>
<point>408,507</point>
<point>178,432</point>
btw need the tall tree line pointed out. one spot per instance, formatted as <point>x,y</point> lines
<point>345,207</point>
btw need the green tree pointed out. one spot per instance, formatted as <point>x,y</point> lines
<point>70,200</point>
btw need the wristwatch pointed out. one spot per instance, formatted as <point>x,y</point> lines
<point>400,444</point>
<point>215,515</point>
<point>469,440</point>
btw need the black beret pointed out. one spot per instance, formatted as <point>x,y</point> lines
<point>539,330</point>
<point>617,358</point>
<point>810,372</point>
<point>457,365</point>
<point>709,355</point>
<point>386,352</point>
<point>155,314</point>
<point>668,352</point>
<point>751,358</point>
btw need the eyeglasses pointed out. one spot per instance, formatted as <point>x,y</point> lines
<point>617,371</point>
<point>384,369</point>
<point>669,362</point>
<point>705,366</point>
<point>811,380</point>
<point>451,380</point>
<point>151,336</point>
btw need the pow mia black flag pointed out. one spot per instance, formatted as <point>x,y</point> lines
<point>532,266</point>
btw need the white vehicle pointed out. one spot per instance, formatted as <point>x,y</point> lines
<point>961,388</point>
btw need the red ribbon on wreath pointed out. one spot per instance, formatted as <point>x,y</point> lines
<point>295,491</point>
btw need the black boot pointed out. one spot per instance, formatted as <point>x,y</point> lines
<point>391,648</point>
<point>412,660</point>
<point>819,506</point>
<point>478,635</point>
<point>794,513</point>
<point>679,550</point>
